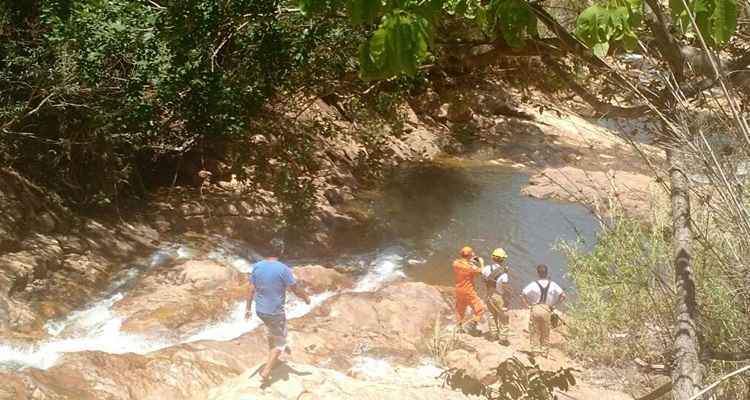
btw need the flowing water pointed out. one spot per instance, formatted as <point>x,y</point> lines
<point>435,209</point>
<point>97,327</point>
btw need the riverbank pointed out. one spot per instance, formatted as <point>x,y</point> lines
<point>59,261</point>
<point>50,250</point>
<point>376,336</point>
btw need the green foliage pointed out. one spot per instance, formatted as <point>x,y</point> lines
<point>516,380</point>
<point>399,45</point>
<point>613,21</point>
<point>625,294</point>
<point>716,19</point>
<point>473,11</point>
<point>364,11</point>
<point>95,94</point>
<point>616,315</point>
<point>403,36</point>
<point>404,30</point>
<point>513,19</point>
<point>442,342</point>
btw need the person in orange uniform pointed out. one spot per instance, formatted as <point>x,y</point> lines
<point>464,272</point>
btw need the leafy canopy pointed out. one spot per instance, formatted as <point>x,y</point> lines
<point>716,19</point>
<point>97,97</point>
<point>402,30</point>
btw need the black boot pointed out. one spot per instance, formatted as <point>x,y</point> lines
<point>471,329</point>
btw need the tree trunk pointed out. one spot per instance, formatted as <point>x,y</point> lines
<point>687,374</point>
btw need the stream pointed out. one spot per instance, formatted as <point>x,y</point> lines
<point>436,210</point>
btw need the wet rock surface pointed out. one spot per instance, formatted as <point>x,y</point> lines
<point>298,381</point>
<point>347,325</point>
<point>53,261</point>
<point>391,326</point>
<point>181,299</point>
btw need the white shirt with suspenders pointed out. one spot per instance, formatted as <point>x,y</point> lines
<point>533,292</point>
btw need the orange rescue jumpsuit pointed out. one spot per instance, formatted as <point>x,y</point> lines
<point>464,273</point>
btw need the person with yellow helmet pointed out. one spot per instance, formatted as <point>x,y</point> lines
<point>464,272</point>
<point>498,294</point>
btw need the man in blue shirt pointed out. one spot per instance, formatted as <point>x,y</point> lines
<point>269,282</point>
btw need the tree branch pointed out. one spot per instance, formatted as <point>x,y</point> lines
<point>602,108</point>
<point>667,43</point>
<point>534,48</point>
<point>660,391</point>
<point>727,356</point>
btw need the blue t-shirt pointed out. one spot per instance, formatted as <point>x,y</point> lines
<point>271,279</point>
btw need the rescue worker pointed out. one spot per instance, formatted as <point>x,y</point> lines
<point>498,295</point>
<point>464,272</point>
<point>542,296</point>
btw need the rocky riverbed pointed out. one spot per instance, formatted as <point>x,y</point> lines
<point>122,309</point>
<point>334,346</point>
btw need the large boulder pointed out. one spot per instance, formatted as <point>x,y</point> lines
<point>303,382</point>
<point>391,323</point>
<point>319,279</point>
<point>630,191</point>
<point>179,300</point>
<point>478,357</point>
<point>53,261</point>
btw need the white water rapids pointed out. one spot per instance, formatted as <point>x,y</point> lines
<point>97,327</point>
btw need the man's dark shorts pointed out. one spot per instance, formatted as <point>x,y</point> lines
<point>276,328</point>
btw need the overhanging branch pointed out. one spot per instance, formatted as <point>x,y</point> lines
<point>533,48</point>
<point>727,356</point>
<point>658,393</point>
<point>602,108</point>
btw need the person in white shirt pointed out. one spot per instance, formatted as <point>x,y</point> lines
<point>495,276</point>
<point>542,296</point>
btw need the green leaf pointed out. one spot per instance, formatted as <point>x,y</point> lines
<point>600,49</point>
<point>513,19</point>
<point>364,11</point>
<point>461,7</point>
<point>635,9</point>
<point>600,24</point>
<point>716,19</point>
<point>398,46</point>
<point>630,41</point>
<point>118,26</point>
<point>723,21</point>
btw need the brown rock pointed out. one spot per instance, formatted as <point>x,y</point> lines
<point>305,382</point>
<point>181,299</point>
<point>629,191</point>
<point>318,279</point>
<point>12,388</point>
<point>390,323</point>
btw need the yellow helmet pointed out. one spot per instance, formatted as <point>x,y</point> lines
<point>499,253</point>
